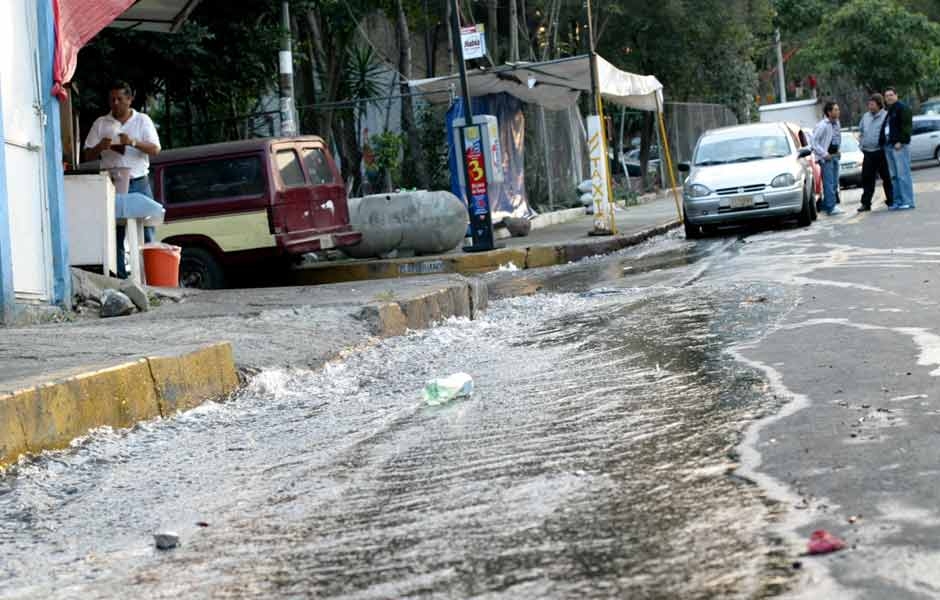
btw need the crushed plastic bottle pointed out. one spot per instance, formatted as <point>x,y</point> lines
<point>444,389</point>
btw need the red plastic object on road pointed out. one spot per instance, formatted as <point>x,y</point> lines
<point>823,542</point>
<point>162,264</point>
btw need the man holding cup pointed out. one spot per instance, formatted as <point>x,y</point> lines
<point>124,139</point>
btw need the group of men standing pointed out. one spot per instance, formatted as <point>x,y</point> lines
<point>885,137</point>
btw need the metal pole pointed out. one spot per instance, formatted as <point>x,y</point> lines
<point>458,54</point>
<point>781,77</point>
<point>286,75</point>
<point>472,154</point>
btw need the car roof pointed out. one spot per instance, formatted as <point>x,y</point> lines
<point>749,128</point>
<point>926,117</point>
<point>222,148</point>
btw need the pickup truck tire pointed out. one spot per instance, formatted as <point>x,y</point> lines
<point>200,269</point>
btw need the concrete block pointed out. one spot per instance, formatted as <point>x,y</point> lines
<point>479,297</point>
<point>385,320</point>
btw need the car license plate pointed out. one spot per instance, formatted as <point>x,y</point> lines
<point>743,202</point>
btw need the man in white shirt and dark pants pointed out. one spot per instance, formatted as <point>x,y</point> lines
<point>125,138</point>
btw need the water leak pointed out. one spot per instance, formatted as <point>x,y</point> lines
<point>593,460</point>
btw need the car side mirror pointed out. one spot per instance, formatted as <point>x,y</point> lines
<point>684,167</point>
<point>804,152</point>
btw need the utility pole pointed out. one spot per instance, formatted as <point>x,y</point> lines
<point>513,31</point>
<point>286,75</point>
<point>470,147</point>
<point>781,76</point>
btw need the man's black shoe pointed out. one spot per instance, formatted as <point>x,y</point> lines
<point>864,208</point>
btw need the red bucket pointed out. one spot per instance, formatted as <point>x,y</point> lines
<point>162,264</point>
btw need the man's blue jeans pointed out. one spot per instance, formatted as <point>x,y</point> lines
<point>830,176</point>
<point>899,164</point>
<point>141,185</point>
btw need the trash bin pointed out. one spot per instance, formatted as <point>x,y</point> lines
<point>162,264</point>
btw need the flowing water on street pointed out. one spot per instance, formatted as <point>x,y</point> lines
<point>593,460</point>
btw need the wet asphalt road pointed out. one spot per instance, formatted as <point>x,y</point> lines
<point>600,456</point>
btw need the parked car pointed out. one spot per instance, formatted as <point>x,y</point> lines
<point>237,204</point>
<point>850,161</point>
<point>925,138</point>
<point>632,160</point>
<point>806,141</point>
<point>930,107</point>
<point>744,173</point>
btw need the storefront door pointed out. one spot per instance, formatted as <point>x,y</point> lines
<point>23,122</point>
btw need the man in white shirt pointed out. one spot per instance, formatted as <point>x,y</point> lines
<point>125,138</point>
<point>827,155</point>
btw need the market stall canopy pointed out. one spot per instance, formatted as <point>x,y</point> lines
<point>164,16</point>
<point>78,21</point>
<point>554,84</point>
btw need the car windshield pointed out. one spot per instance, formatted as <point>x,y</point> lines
<point>719,150</point>
<point>849,143</point>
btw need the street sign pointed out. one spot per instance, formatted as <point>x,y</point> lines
<point>473,39</point>
<point>600,177</point>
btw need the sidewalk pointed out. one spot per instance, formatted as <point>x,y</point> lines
<point>57,381</point>
<point>553,245</point>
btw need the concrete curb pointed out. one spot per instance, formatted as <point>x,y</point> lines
<point>523,257</point>
<point>467,298</point>
<point>50,415</point>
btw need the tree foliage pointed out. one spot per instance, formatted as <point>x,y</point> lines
<point>876,43</point>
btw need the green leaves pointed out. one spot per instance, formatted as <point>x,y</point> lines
<point>878,43</point>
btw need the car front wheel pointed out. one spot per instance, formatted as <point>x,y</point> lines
<point>692,231</point>
<point>806,213</point>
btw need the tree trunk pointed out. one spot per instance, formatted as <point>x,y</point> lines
<point>492,29</point>
<point>448,15</point>
<point>331,62</point>
<point>513,31</point>
<point>413,156</point>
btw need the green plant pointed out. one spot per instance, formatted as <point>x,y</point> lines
<point>387,147</point>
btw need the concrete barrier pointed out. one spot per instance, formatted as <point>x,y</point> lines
<point>50,415</point>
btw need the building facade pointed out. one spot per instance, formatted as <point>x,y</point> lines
<point>34,270</point>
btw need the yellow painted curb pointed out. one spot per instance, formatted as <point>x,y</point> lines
<point>183,382</point>
<point>49,416</point>
<point>532,257</point>
<point>482,262</point>
<point>544,256</point>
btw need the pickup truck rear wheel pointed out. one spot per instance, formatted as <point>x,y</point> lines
<point>200,269</point>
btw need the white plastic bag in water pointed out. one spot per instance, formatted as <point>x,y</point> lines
<point>445,389</point>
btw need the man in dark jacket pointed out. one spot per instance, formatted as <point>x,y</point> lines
<point>896,140</point>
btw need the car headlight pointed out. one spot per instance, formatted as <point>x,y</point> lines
<point>784,180</point>
<point>697,190</point>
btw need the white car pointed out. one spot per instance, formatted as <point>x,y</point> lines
<point>850,160</point>
<point>925,138</point>
<point>747,172</point>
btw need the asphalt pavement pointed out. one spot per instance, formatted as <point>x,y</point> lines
<point>673,420</point>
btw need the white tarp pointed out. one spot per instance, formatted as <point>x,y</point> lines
<point>555,84</point>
